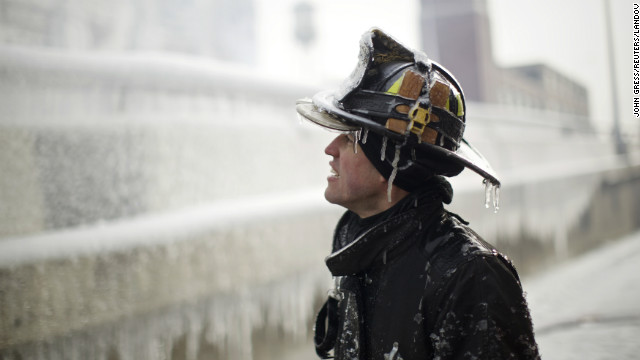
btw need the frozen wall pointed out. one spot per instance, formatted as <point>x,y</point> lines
<point>164,207</point>
<point>89,138</point>
<point>152,203</point>
<point>564,188</point>
<point>194,284</point>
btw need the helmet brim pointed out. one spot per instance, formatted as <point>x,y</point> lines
<point>323,111</point>
<point>309,111</point>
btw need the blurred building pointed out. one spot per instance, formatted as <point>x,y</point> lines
<point>195,27</point>
<point>457,34</point>
<point>540,86</point>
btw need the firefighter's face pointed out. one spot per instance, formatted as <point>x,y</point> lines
<point>354,182</point>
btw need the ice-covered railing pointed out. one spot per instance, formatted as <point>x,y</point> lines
<point>140,82</point>
<point>159,229</point>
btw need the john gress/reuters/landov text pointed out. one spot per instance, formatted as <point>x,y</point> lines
<point>636,60</point>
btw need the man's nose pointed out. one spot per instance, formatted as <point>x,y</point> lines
<point>332,148</point>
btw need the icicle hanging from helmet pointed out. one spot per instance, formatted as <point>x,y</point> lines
<point>383,149</point>
<point>394,172</point>
<point>491,195</point>
<point>356,137</point>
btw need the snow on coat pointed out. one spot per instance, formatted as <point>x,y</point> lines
<point>420,284</point>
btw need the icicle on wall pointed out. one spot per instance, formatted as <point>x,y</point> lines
<point>184,281</point>
<point>218,327</point>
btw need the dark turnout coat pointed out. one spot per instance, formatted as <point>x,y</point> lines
<point>420,284</point>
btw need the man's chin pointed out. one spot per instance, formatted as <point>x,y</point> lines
<point>330,196</point>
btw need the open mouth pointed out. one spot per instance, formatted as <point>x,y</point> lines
<point>334,173</point>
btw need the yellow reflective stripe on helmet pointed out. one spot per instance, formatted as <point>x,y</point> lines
<point>460,105</point>
<point>396,86</point>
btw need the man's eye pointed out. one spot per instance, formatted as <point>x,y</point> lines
<point>350,138</point>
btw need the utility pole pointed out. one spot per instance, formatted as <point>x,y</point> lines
<point>621,147</point>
